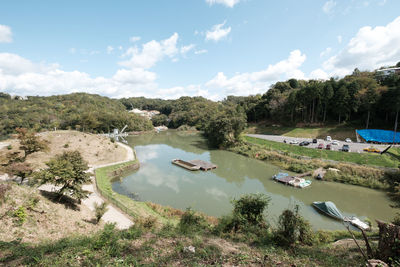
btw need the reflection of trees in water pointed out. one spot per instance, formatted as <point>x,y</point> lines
<point>235,168</point>
<point>189,142</point>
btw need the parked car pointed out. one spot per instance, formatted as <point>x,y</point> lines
<point>345,148</point>
<point>348,140</point>
<point>372,149</point>
<point>320,146</point>
<point>335,143</point>
<point>293,142</point>
<point>328,147</point>
<point>328,138</point>
<point>304,143</point>
<point>315,141</point>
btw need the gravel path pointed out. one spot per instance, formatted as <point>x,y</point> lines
<point>354,147</point>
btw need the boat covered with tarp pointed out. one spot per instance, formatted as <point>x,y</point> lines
<point>329,208</point>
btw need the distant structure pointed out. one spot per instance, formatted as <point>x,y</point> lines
<point>118,135</point>
<point>145,113</point>
<point>388,71</point>
<point>378,136</point>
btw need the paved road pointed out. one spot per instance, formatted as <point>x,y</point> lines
<point>354,147</point>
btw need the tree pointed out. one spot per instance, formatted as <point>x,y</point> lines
<point>68,171</point>
<point>29,142</point>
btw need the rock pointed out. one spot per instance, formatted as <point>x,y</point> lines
<point>376,263</point>
<point>189,249</point>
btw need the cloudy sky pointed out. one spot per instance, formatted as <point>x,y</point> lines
<point>170,48</point>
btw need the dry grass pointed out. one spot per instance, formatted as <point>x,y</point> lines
<point>95,149</point>
<point>45,220</point>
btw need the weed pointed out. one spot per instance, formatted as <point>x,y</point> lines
<point>20,215</point>
<point>99,210</point>
<point>66,145</point>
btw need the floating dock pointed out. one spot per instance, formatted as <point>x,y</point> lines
<point>194,165</point>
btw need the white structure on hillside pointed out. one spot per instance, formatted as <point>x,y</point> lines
<point>388,71</point>
<point>145,113</point>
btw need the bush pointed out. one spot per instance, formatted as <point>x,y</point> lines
<point>99,210</point>
<point>292,229</point>
<point>251,207</point>
<point>190,221</point>
<point>20,215</point>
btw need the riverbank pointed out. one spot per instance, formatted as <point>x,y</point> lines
<point>272,152</point>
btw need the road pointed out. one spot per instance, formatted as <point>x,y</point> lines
<point>354,147</point>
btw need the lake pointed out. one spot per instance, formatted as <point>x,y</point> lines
<point>159,181</point>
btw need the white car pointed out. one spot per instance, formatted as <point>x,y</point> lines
<point>328,138</point>
<point>335,143</point>
<point>293,142</point>
<point>348,140</point>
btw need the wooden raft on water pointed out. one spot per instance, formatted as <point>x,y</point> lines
<point>194,165</point>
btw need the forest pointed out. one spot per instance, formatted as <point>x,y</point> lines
<point>78,111</point>
<point>363,99</point>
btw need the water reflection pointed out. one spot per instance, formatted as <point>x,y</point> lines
<point>159,181</point>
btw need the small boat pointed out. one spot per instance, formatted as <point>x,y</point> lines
<point>283,177</point>
<point>300,182</point>
<point>185,164</point>
<point>329,208</point>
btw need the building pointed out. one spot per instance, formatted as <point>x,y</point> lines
<point>388,71</point>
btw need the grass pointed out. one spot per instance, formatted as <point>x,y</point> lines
<point>135,209</point>
<point>385,160</point>
<point>166,247</point>
<point>336,132</point>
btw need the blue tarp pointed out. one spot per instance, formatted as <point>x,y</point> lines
<point>380,136</point>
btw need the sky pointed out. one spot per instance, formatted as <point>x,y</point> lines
<point>172,48</point>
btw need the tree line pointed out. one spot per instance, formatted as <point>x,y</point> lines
<point>78,111</point>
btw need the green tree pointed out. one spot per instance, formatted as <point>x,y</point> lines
<point>29,142</point>
<point>68,171</point>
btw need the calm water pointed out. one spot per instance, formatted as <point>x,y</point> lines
<point>161,182</point>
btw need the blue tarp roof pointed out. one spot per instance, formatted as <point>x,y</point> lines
<point>381,136</point>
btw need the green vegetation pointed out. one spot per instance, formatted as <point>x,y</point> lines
<point>68,171</point>
<point>192,242</point>
<point>80,111</point>
<point>336,132</point>
<point>350,173</point>
<point>135,209</point>
<point>99,210</point>
<point>385,160</point>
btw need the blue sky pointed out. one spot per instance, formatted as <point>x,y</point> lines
<point>170,48</point>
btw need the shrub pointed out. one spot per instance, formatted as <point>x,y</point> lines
<point>99,210</point>
<point>293,228</point>
<point>66,145</point>
<point>9,147</point>
<point>20,215</point>
<point>251,207</point>
<point>132,233</point>
<point>190,221</point>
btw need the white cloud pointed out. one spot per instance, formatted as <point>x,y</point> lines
<point>187,48</point>
<point>258,82</point>
<point>134,76</point>
<point>329,6</point>
<point>319,74</point>
<point>109,49</point>
<point>327,51</point>
<point>134,39</point>
<point>202,51</point>
<point>217,32</point>
<point>5,34</point>
<point>339,39</point>
<point>228,3</point>
<point>72,50</point>
<point>370,48</point>
<point>151,53</point>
